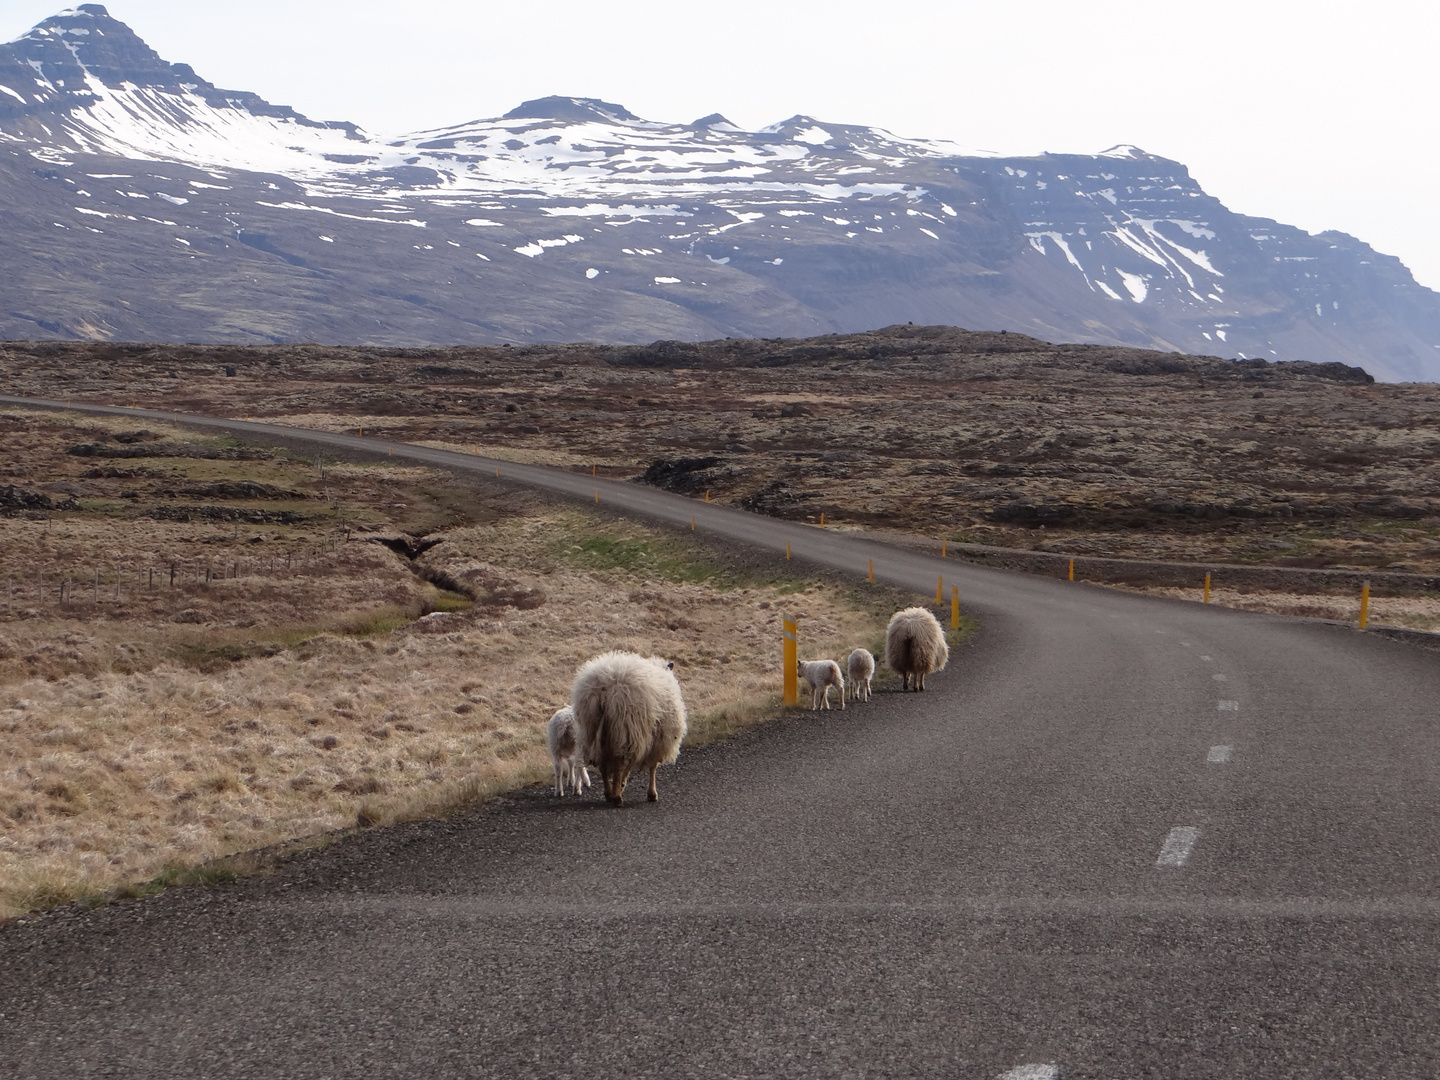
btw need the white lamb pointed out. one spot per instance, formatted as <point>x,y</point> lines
<point>915,646</point>
<point>630,714</point>
<point>564,743</point>
<point>861,667</point>
<point>821,675</point>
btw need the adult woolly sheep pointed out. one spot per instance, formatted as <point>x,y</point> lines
<point>915,646</point>
<point>821,675</point>
<point>630,715</point>
<point>564,743</point>
<point>861,665</point>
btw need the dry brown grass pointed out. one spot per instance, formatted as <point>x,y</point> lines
<point>290,703</point>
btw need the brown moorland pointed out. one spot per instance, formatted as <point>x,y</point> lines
<point>930,431</point>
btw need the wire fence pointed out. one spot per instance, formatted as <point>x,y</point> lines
<point>99,583</point>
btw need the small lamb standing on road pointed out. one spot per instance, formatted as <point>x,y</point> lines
<point>821,675</point>
<point>861,667</point>
<point>629,714</point>
<point>564,743</point>
<point>915,646</point>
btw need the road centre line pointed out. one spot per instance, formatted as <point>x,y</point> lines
<point>1220,678</point>
<point>1032,1072</point>
<point>1220,755</point>
<point>1227,706</point>
<point>1178,845</point>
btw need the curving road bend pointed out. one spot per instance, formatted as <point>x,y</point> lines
<point>1118,837</point>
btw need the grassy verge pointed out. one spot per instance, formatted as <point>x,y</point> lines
<point>219,740</point>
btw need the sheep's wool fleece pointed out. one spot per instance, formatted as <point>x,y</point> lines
<point>915,643</point>
<point>560,733</point>
<point>628,707</point>
<point>861,664</point>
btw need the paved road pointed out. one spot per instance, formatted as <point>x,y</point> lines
<point>1118,838</point>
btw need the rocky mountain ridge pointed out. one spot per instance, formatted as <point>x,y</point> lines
<point>141,202</point>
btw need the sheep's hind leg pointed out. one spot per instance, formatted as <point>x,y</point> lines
<point>653,795</point>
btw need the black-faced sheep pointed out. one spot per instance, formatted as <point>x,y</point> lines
<point>861,670</point>
<point>564,743</point>
<point>630,715</point>
<point>915,646</point>
<point>821,675</point>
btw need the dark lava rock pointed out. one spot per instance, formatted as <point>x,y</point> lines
<point>684,475</point>
<point>1025,512</point>
<point>227,513</point>
<point>164,449</point>
<point>14,498</point>
<point>241,489</point>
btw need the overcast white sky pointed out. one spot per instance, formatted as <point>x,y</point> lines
<point>1318,113</point>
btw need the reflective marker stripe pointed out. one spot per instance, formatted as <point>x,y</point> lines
<point>1176,849</point>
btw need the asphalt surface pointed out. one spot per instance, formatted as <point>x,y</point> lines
<point>1118,837</point>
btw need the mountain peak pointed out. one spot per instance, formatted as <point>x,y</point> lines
<point>1125,150</point>
<point>571,108</point>
<point>87,42</point>
<point>715,121</point>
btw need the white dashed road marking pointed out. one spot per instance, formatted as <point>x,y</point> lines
<point>1207,659</point>
<point>1176,849</point>
<point>1220,678</point>
<point>1032,1072</point>
<point>1227,706</point>
<point>1220,755</point>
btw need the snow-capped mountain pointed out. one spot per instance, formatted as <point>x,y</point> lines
<point>142,202</point>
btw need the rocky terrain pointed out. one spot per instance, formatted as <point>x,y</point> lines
<point>928,431</point>
<point>140,202</point>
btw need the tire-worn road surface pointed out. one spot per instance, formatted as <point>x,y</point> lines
<point>1117,838</point>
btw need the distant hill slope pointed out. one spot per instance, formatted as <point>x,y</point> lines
<point>138,201</point>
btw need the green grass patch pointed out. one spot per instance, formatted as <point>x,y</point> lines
<point>211,656</point>
<point>445,600</point>
<point>587,546</point>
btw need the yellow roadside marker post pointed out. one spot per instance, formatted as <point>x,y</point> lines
<point>362,432</point>
<point>939,590</point>
<point>692,522</point>
<point>789,650</point>
<point>870,576</point>
<point>597,495</point>
<point>707,494</point>
<point>942,549</point>
<point>954,608</point>
<point>1364,605</point>
<point>1207,588</point>
<point>592,470</point>
<point>822,519</point>
<point>787,549</point>
<point>1072,569</point>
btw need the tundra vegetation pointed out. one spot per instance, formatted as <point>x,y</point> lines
<point>304,674</point>
<point>963,436</point>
